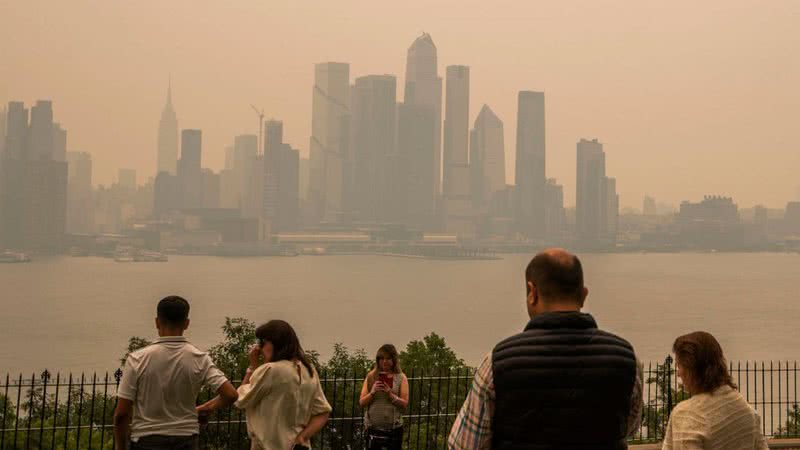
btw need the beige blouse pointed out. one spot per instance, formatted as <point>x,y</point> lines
<point>279,402</point>
<point>721,420</point>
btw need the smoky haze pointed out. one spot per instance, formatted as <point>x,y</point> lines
<point>374,172</point>
<point>688,99</point>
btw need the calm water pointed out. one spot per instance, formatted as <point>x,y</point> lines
<point>77,313</point>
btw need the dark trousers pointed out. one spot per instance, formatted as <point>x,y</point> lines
<point>384,440</point>
<point>160,442</point>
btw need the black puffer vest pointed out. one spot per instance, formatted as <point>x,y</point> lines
<point>562,384</point>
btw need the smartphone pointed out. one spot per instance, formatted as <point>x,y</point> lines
<point>386,378</point>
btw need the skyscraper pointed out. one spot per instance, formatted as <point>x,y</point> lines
<point>59,143</point>
<point>555,214</point>
<point>374,153</point>
<point>2,132</point>
<point>189,169</point>
<point>229,184</point>
<point>596,201</point>
<point>33,204</point>
<point>211,189</point>
<point>305,170</point>
<point>40,133</point>
<point>456,131</point>
<point>168,137</point>
<point>16,131</point>
<point>33,187</point>
<point>2,135</point>
<point>416,141</point>
<point>487,158</point>
<point>80,205</point>
<point>248,171</point>
<point>457,211</point>
<point>611,209</point>
<point>530,164</point>
<point>330,127</point>
<point>423,87</point>
<point>273,130</point>
<point>166,194</point>
<point>288,189</point>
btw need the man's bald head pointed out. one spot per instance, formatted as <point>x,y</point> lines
<point>557,275</point>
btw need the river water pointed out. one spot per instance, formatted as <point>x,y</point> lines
<point>76,314</point>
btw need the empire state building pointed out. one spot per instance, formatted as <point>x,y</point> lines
<point>168,137</point>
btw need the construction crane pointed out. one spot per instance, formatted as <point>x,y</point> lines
<point>260,126</point>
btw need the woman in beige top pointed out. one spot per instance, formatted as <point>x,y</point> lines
<point>384,396</point>
<point>716,417</point>
<point>282,398</point>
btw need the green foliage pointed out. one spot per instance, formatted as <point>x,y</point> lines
<point>438,380</point>
<point>431,353</point>
<point>7,411</point>
<point>314,357</point>
<point>49,411</point>
<point>791,427</point>
<point>341,379</point>
<point>134,343</point>
<point>344,360</point>
<point>656,414</point>
<point>438,384</point>
<point>230,355</point>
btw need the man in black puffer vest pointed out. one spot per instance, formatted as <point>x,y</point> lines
<point>562,383</point>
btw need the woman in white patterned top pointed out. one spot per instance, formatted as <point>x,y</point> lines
<point>716,417</point>
<point>282,398</point>
<point>384,396</point>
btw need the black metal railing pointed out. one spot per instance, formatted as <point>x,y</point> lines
<point>76,412</point>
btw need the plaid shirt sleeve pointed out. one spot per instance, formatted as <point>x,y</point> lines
<point>472,429</point>
<point>637,402</point>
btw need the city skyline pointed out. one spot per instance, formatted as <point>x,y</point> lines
<point>668,122</point>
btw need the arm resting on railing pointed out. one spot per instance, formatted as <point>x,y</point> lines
<point>122,423</point>
<point>226,395</point>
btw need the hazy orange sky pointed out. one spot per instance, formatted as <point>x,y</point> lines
<point>690,98</point>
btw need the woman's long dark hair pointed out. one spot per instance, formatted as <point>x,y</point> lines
<point>285,344</point>
<point>700,354</point>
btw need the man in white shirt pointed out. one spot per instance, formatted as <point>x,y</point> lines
<point>159,387</point>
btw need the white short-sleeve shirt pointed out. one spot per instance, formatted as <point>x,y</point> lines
<point>163,380</point>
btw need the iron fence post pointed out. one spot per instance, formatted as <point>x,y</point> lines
<point>668,364</point>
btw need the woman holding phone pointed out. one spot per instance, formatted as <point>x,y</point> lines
<point>282,397</point>
<point>384,396</point>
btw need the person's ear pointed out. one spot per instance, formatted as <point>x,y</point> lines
<point>584,294</point>
<point>158,324</point>
<point>533,294</point>
<point>186,324</point>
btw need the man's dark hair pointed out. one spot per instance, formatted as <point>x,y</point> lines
<point>555,277</point>
<point>173,310</point>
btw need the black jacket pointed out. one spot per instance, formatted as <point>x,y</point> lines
<point>562,384</point>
